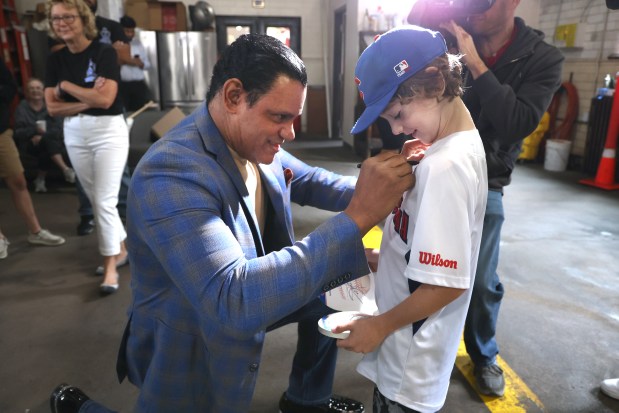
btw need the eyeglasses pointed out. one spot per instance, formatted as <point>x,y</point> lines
<point>67,18</point>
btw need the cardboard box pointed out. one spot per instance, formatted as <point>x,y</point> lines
<point>167,121</point>
<point>140,11</point>
<point>158,15</point>
<point>170,16</point>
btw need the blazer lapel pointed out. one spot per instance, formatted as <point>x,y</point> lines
<point>274,185</point>
<point>215,144</point>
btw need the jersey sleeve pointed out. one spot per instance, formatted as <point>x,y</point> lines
<point>441,235</point>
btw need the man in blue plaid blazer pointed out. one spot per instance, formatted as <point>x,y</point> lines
<point>213,255</point>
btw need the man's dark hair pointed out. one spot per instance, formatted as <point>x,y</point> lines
<point>257,60</point>
<point>127,22</point>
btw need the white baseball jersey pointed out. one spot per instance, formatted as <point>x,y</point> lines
<point>432,238</point>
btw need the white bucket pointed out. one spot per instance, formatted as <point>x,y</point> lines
<point>557,154</point>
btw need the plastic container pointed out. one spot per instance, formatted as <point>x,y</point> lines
<point>329,322</point>
<point>557,154</point>
<point>530,144</point>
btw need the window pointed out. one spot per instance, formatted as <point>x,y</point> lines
<point>286,29</point>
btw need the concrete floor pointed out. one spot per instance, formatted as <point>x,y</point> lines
<point>558,328</point>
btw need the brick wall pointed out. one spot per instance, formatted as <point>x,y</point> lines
<point>587,61</point>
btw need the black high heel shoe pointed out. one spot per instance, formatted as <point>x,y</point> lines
<point>107,289</point>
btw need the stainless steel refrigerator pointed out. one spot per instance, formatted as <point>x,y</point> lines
<point>185,61</point>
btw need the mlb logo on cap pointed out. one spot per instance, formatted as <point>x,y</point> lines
<point>400,68</point>
<point>393,57</point>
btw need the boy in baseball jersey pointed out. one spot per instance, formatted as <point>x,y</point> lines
<point>430,243</point>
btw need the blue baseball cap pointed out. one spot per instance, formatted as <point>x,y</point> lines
<point>393,57</point>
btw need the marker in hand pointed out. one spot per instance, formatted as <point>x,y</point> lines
<point>410,162</point>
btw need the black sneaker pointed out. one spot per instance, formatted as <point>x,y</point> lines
<point>490,380</point>
<point>86,225</point>
<point>336,404</point>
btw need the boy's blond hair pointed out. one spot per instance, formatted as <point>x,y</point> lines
<point>440,79</point>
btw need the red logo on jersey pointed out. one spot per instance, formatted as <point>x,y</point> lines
<point>427,258</point>
<point>400,222</point>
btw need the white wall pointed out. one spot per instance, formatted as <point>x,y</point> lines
<point>311,12</point>
<point>587,63</point>
<point>107,8</point>
<point>529,10</point>
<point>598,36</point>
<point>313,26</point>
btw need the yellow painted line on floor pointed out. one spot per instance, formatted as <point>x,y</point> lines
<point>517,394</point>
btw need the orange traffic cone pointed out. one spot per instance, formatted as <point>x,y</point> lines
<point>605,177</point>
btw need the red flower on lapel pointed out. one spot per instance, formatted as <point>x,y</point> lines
<point>288,175</point>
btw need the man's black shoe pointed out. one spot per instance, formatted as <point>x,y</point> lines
<point>67,399</point>
<point>86,225</point>
<point>337,404</point>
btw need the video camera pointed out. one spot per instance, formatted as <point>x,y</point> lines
<point>431,13</point>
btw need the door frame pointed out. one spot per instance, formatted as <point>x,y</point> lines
<point>339,56</point>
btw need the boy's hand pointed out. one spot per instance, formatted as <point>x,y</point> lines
<point>366,334</point>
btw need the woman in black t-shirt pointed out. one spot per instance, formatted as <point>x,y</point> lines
<point>81,84</point>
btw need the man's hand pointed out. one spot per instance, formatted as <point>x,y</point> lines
<point>467,48</point>
<point>124,52</point>
<point>382,181</point>
<point>136,61</point>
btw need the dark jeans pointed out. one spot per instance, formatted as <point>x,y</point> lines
<point>85,208</point>
<point>480,326</point>
<point>313,366</point>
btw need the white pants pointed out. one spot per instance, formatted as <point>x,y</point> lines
<point>98,147</point>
